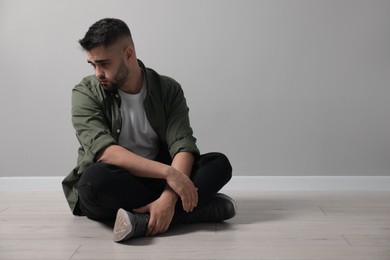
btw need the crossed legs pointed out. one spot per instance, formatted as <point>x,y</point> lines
<point>105,188</point>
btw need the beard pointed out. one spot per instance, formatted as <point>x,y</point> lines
<point>119,79</point>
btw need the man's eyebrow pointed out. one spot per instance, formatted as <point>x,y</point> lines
<point>98,61</point>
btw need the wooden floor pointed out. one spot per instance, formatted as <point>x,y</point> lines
<point>269,225</point>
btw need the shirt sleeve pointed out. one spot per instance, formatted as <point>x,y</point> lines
<point>88,119</point>
<point>179,132</point>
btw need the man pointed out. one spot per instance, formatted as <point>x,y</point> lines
<point>138,162</point>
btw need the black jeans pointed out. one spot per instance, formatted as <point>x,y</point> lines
<point>104,188</point>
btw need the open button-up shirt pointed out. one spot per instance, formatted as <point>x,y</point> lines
<point>96,118</point>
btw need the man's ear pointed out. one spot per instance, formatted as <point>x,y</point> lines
<point>129,53</point>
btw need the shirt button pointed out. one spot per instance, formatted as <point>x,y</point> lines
<point>117,96</point>
<point>118,131</point>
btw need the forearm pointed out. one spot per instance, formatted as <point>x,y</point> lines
<point>178,182</point>
<point>182,162</point>
<point>133,163</point>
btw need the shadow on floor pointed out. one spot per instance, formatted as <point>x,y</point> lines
<point>253,211</point>
<point>248,212</point>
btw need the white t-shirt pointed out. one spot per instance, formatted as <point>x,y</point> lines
<point>137,135</point>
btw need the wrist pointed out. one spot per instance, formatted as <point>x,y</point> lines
<point>170,194</point>
<point>167,172</point>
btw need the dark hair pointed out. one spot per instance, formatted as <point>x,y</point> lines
<point>104,32</point>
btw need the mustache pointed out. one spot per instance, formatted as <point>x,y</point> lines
<point>107,85</point>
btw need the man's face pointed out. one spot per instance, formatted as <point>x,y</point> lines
<point>109,66</point>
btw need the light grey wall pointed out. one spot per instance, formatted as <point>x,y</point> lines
<point>283,87</point>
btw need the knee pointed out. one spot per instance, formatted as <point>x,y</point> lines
<point>91,190</point>
<point>224,165</point>
<point>91,181</point>
<point>96,174</point>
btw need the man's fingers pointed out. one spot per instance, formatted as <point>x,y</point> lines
<point>186,190</point>
<point>184,202</point>
<point>189,200</point>
<point>141,210</point>
<point>165,228</point>
<point>151,225</point>
<point>153,231</point>
<point>195,200</point>
<point>157,225</point>
<point>192,201</point>
<point>158,228</point>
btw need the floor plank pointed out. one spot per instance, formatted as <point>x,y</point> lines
<point>268,225</point>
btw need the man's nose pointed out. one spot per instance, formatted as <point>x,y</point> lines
<point>99,73</point>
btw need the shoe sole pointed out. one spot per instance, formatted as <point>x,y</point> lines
<point>123,226</point>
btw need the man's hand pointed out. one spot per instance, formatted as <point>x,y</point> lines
<point>161,213</point>
<point>184,187</point>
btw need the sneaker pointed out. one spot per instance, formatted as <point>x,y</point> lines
<point>129,225</point>
<point>221,207</point>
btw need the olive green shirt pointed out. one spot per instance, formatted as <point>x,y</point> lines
<point>96,118</point>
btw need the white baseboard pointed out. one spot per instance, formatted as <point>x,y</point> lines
<point>30,183</point>
<point>367,183</point>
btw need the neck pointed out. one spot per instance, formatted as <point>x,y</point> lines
<point>134,81</point>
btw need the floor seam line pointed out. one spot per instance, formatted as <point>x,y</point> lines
<point>346,240</point>
<point>5,210</point>
<point>74,253</point>
<point>323,211</point>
